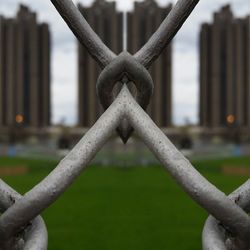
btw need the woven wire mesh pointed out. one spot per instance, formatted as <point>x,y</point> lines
<point>228,225</point>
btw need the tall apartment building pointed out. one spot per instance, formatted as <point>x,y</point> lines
<point>225,71</point>
<point>143,21</point>
<point>24,71</point>
<point>108,24</point>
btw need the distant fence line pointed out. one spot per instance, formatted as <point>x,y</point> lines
<point>133,154</point>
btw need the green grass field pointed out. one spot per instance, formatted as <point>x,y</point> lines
<point>118,208</point>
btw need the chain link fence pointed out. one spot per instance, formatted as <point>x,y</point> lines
<point>228,226</point>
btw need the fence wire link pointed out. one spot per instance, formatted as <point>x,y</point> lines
<point>21,227</point>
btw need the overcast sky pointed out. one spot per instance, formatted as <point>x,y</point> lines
<point>185,55</point>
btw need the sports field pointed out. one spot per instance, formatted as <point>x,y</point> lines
<point>125,208</point>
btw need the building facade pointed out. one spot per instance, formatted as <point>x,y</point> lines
<point>143,21</point>
<point>108,23</point>
<point>225,71</point>
<point>24,71</point>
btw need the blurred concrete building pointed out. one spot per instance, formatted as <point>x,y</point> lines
<point>108,24</point>
<point>24,71</point>
<point>225,71</point>
<point>143,21</point>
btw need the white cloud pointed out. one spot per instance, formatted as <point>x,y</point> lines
<point>64,60</point>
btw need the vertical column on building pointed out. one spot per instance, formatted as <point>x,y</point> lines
<point>149,32</point>
<point>239,72</point>
<point>215,70</point>
<point>153,70</point>
<point>119,33</point>
<point>204,50</point>
<point>112,25</point>
<point>158,76</point>
<point>98,27</point>
<point>33,74</point>
<point>230,93</point>
<point>129,33</point>
<point>92,77</point>
<point>247,70</point>
<point>166,72</point>
<point>209,94</point>
<point>244,71</point>
<point>83,80</point>
<point>81,85</point>
<point>21,63</point>
<point>135,19</point>
<point>44,69</point>
<point>104,30</point>
<point>3,111</point>
<point>10,71</point>
<point>168,97</point>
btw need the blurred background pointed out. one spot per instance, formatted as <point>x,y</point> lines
<point>201,101</point>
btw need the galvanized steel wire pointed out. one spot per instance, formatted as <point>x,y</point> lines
<point>21,227</point>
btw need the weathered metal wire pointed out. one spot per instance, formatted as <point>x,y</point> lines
<point>36,236</point>
<point>125,106</point>
<point>124,67</point>
<point>202,191</point>
<point>230,224</point>
<point>165,33</point>
<point>215,236</point>
<point>147,54</point>
<point>85,34</point>
<point>47,191</point>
